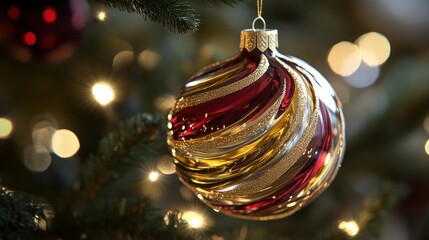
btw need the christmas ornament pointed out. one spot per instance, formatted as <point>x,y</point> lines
<point>45,30</point>
<point>257,136</point>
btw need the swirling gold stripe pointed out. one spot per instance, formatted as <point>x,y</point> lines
<point>185,102</point>
<point>274,172</point>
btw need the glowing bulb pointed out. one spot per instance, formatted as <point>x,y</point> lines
<point>101,16</point>
<point>153,176</point>
<point>351,228</point>
<point>344,58</point>
<point>65,143</point>
<point>6,128</point>
<point>427,147</point>
<point>103,93</point>
<point>374,47</point>
<point>194,219</point>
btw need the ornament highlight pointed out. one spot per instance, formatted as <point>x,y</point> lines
<point>259,135</point>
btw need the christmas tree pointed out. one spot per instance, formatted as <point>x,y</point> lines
<point>86,88</point>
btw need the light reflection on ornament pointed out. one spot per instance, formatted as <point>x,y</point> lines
<point>103,93</point>
<point>374,47</point>
<point>6,127</point>
<point>351,228</point>
<point>427,147</point>
<point>344,58</point>
<point>65,143</point>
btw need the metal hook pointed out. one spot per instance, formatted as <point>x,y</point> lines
<point>263,22</point>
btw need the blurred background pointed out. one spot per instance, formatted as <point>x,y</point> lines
<point>102,66</point>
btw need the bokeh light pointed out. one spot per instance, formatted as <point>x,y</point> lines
<point>6,127</point>
<point>165,102</point>
<point>37,158</point>
<point>122,59</point>
<point>194,219</point>
<point>65,143</point>
<point>30,38</point>
<point>42,134</point>
<point>351,228</point>
<point>427,147</point>
<point>344,58</point>
<point>153,176</point>
<point>165,165</point>
<point>49,15</point>
<point>374,47</point>
<point>13,12</point>
<point>148,59</point>
<point>103,93</point>
<point>364,76</point>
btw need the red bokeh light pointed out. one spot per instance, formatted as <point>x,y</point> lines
<point>49,15</point>
<point>13,12</point>
<point>30,38</point>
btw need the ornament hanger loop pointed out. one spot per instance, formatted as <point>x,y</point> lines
<point>263,22</point>
<point>259,12</point>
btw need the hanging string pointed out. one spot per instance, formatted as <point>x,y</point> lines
<point>259,7</point>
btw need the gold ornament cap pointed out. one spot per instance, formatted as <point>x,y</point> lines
<point>261,39</point>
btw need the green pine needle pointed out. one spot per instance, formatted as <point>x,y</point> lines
<point>177,15</point>
<point>21,215</point>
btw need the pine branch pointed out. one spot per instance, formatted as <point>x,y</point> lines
<point>21,214</point>
<point>177,15</point>
<point>134,142</point>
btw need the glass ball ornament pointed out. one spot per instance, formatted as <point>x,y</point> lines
<point>44,30</point>
<point>259,135</point>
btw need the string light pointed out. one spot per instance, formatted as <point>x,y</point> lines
<point>101,16</point>
<point>153,176</point>
<point>351,228</point>
<point>65,143</point>
<point>103,93</point>
<point>6,128</point>
<point>194,219</point>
